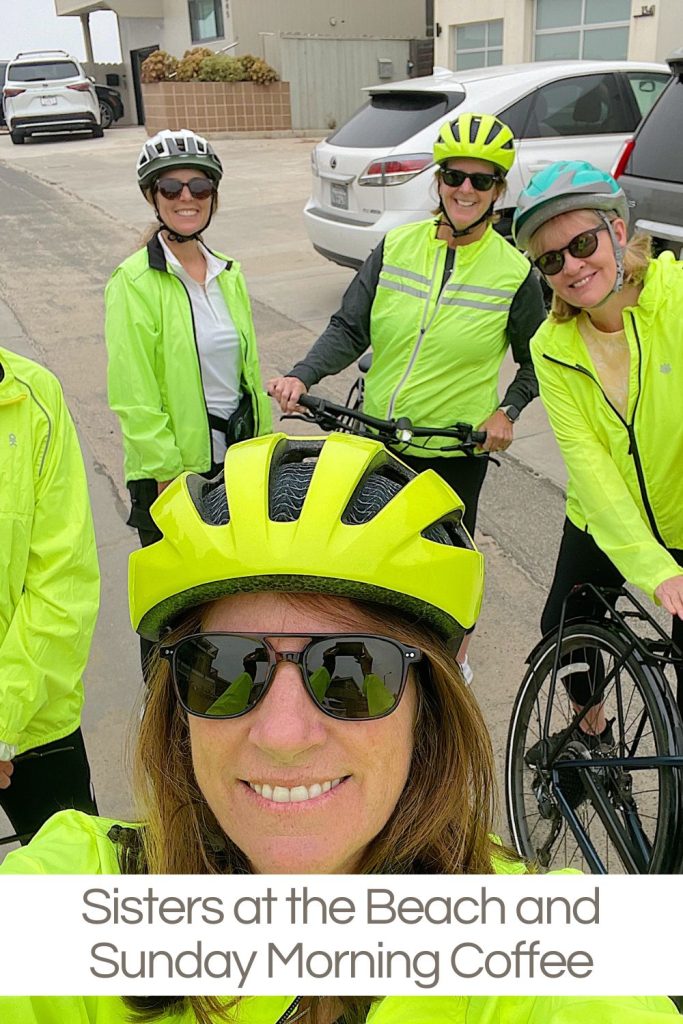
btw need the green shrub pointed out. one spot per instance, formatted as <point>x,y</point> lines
<point>191,62</point>
<point>158,67</point>
<point>221,68</point>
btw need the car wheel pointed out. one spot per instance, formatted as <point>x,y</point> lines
<point>97,132</point>
<point>106,114</point>
<point>17,138</point>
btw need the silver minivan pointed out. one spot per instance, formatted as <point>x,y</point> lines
<point>47,91</point>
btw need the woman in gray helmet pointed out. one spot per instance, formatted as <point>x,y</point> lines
<point>609,362</point>
<point>184,375</point>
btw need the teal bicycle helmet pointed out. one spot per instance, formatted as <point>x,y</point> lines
<point>570,185</point>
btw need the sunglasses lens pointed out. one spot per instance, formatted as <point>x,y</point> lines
<point>220,676</point>
<point>355,677</point>
<point>483,182</point>
<point>170,188</point>
<point>583,245</point>
<point>453,178</point>
<point>550,263</point>
<point>201,188</point>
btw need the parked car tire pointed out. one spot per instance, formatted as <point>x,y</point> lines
<point>17,138</point>
<point>97,132</point>
<point>106,114</point>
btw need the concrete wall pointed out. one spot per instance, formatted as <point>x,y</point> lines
<point>650,38</point>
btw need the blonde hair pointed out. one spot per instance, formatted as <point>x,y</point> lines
<point>637,256</point>
<point>441,824</point>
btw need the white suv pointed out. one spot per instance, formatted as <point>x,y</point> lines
<point>48,91</point>
<point>376,171</point>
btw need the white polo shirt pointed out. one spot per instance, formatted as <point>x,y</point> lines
<point>220,356</point>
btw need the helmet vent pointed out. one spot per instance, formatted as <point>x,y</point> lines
<point>214,504</point>
<point>450,531</point>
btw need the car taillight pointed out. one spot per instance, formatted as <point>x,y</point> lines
<point>623,158</point>
<point>395,170</point>
<point>80,87</point>
<point>7,91</point>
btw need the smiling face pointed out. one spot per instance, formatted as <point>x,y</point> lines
<point>184,214</point>
<point>464,204</point>
<point>327,787</point>
<point>583,282</point>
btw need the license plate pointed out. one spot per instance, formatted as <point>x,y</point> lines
<point>48,101</point>
<point>339,195</point>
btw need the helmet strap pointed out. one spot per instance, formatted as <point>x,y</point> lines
<point>460,232</point>
<point>618,253</point>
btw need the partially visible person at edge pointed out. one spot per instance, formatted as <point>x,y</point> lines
<point>440,302</point>
<point>609,362</point>
<point>305,713</point>
<point>49,598</point>
<point>184,375</point>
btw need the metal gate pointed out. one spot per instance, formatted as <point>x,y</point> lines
<point>327,75</point>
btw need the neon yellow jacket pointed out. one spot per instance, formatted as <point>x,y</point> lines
<point>625,476</point>
<point>49,578</point>
<point>154,378</point>
<point>73,843</point>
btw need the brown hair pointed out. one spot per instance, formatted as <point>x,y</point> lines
<point>637,256</point>
<point>441,823</point>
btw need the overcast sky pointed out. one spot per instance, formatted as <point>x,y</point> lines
<point>33,25</point>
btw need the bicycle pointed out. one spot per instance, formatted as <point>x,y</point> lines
<point>572,800</point>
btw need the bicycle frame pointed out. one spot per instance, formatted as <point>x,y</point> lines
<point>655,654</point>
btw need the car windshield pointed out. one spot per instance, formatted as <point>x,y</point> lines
<point>41,71</point>
<point>658,152</point>
<point>389,118</point>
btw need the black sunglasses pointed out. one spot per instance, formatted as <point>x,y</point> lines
<point>581,246</point>
<point>352,677</point>
<point>200,188</point>
<point>479,180</point>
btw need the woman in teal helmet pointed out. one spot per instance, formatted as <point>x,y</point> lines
<point>304,715</point>
<point>440,302</point>
<point>609,362</point>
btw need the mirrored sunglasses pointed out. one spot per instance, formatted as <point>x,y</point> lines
<point>352,677</point>
<point>200,188</point>
<point>580,247</point>
<point>482,182</point>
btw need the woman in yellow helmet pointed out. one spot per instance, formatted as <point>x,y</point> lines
<point>304,713</point>
<point>440,302</point>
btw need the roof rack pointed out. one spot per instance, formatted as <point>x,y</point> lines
<point>35,53</point>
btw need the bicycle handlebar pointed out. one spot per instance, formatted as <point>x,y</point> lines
<point>329,415</point>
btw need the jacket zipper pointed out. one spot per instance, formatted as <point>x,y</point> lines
<point>199,367</point>
<point>630,429</point>
<point>291,1009</point>
<point>424,327</point>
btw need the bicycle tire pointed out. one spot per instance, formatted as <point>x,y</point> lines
<point>645,727</point>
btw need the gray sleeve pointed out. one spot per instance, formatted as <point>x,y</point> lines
<point>527,313</point>
<point>347,335</point>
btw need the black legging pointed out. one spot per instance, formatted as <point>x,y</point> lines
<point>464,475</point>
<point>47,779</point>
<point>580,560</point>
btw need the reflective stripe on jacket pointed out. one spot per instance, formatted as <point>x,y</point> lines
<point>49,578</point>
<point>625,478</point>
<point>73,843</point>
<point>154,376</point>
<point>439,340</point>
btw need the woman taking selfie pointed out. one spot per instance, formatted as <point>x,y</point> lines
<point>305,713</point>
<point>184,375</point>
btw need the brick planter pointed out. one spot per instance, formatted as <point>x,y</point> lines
<point>207,107</point>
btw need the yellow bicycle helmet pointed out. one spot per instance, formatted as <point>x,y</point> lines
<point>479,136</point>
<point>339,516</point>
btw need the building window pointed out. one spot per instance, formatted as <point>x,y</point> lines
<point>588,29</point>
<point>477,45</point>
<point>206,20</point>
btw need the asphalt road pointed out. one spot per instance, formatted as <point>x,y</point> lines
<point>70,212</point>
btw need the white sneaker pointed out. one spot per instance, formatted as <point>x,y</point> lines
<point>467,671</point>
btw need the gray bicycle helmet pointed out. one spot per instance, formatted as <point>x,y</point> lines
<point>172,149</point>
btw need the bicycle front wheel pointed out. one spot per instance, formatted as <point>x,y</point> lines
<point>632,824</point>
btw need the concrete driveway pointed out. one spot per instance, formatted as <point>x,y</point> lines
<point>71,211</point>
